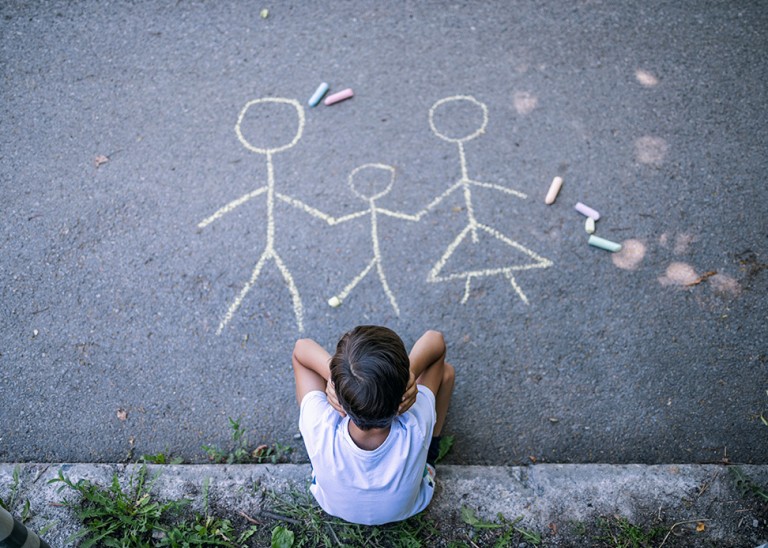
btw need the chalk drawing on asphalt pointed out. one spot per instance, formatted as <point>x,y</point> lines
<point>269,253</point>
<point>355,177</point>
<point>471,233</point>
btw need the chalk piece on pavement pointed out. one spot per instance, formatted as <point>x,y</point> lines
<point>588,211</point>
<point>589,225</point>
<point>554,188</point>
<point>602,243</point>
<point>321,90</point>
<point>334,302</point>
<point>340,96</point>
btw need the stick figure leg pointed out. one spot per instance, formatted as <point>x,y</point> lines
<point>347,290</point>
<point>508,274</point>
<point>298,308</point>
<point>388,291</point>
<point>244,291</point>
<point>467,284</point>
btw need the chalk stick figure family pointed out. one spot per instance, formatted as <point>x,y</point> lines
<point>359,181</point>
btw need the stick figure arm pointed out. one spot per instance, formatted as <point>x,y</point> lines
<point>399,215</point>
<point>349,217</point>
<point>498,187</point>
<point>433,204</point>
<point>230,206</point>
<point>304,207</point>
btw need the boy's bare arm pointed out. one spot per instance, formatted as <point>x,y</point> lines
<point>311,367</point>
<point>427,357</point>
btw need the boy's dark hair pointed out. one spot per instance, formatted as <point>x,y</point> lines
<point>370,373</point>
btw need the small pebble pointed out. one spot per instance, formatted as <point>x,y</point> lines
<point>589,225</point>
<point>264,13</point>
<point>334,302</point>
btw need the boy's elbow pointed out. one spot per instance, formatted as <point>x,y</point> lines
<point>297,350</point>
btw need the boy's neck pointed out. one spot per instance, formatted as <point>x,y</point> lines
<point>368,439</point>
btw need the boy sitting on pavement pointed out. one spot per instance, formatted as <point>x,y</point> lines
<point>371,417</point>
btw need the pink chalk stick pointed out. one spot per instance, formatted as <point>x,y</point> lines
<point>587,211</point>
<point>340,96</point>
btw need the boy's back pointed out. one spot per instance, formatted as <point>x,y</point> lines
<point>390,483</point>
<point>369,416</point>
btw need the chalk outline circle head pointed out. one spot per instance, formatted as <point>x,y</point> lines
<point>279,100</point>
<point>372,166</point>
<point>469,137</point>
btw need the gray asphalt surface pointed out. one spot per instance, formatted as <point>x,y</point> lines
<point>112,294</point>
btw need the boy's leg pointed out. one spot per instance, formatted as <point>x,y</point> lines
<point>443,397</point>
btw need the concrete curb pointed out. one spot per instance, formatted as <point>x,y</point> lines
<point>557,501</point>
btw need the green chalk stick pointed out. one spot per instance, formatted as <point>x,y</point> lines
<point>602,243</point>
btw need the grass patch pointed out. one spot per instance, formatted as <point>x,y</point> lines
<point>501,533</point>
<point>115,517</point>
<point>310,526</point>
<point>619,532</point>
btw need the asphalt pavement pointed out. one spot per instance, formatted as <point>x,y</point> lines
<point>175,215</point>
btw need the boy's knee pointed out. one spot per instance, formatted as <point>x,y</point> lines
<point>437,339</point>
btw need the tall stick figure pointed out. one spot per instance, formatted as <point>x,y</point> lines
<point>269,252</point>
<point>356,183</point>
<point>475,228</point>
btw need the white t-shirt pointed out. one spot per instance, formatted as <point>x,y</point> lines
<point>387,484</point>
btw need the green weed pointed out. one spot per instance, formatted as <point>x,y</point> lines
<point>13,500</point>
<point>745,485</point>
<point>446,442</point>
<point>241,451</point>
<point>282,537</point>
<point>160,458</point>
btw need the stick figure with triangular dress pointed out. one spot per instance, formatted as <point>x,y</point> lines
<point>525,258</point>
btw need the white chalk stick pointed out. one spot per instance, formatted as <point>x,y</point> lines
<point>554,189</point>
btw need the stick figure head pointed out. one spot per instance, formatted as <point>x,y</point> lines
<point>370,372</point>
<point>371,181</point>
<point>460,104</point>
<point>264,111</point>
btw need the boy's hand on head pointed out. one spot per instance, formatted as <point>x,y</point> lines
<point>409,397</point>
<point>330,392</point>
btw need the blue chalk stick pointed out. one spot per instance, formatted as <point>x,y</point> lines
<point>319,92</point>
